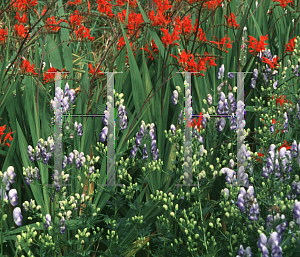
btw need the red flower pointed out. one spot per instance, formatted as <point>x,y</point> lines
<point>51,74</point>
<point>83,32</point>
<point>77,2</point>
<point>92,71</point>
<point>75,19</point>
<point>8,135</point>
<point>3,35</point>
<point>50,24</point>
<point>258,46</point>
<point>23,5</point>
<point>21,31</point>
<point>290,46</point>
<point>222,42</point>
<point>283,3</point>
<point>183,57</point>
<point>22,19</point>
<point>274,64</point>
<point>198,123</point>
<point>195,123</point>
<point>25,64</point>
<point>281,100</point>
<point>170,39</point>
<point>231,21</point>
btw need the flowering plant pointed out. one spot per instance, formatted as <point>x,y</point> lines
<point>239,208</point>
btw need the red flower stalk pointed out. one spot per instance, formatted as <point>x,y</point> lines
<point>222,43</point>
<point>290,46</point>
<point>23,5</point>
<point>21,31</point>
<point>77,2</point>
<point>22,19</point>
<point>283,3</point>
<point>3,35</point>
<point>52,24</point>
<point>273,65</point>
<point>258,46</point>
<point>8,135</point>
<point>92,71</point>
<point>27,68</point>
<point>50,75</point>
<point>231,21</point>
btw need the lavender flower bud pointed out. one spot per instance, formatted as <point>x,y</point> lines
<point>221,72</point>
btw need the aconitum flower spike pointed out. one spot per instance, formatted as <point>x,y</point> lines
<point>11,174</point>
<point>209,99</point>
<point>145,154</point>
<point>13,197</point>
<point>134,151</point>
<point>230,75</point>
<point>173,129</point>
<point>175,97</point>
<point>221,72</point>
<point>17,215</point>
<point>48,221</point>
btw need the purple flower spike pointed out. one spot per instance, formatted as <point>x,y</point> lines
<point>48,221</point>
<point>173,130</point>
<point>63,226</point>
<point>230,75</point>
<point>11,174</point>
<point>13,197</point>
<point>145,154</point>
<point>175,97</point>
<point>221,72</point>
<point>17,216</point>
<point>134,151</point>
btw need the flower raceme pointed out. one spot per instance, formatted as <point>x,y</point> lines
<point>290,46</point>
<point>27,68</point>
<point>273,65</point>
<point>283,3</point>
<point>8,135</point>
<point>23,5</point>
<point>222,43</point>
<point>257,46</point>
<point>231,21</point>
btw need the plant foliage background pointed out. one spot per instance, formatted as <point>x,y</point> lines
<point>149,216</point>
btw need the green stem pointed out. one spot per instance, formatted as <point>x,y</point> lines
<point>204,231</point>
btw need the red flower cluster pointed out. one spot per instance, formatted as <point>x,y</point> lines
<point>168,40</point>
<point>80,31</point>
<point>231,21</point>
<point>27,68</point>
<point>50,75</point>
<point>283,3</point>
<point>8,135</point>
<point>290,46</point>
<point>154,49</point>
<point>92,71</point>
<point>23,5</point>
<point>273,65</point>
<point>195,67</point>
<point>104,7</point>
<point>222,43</point>
<point>3,35</point>
<point>257,46</point>
<point>52,25</point>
